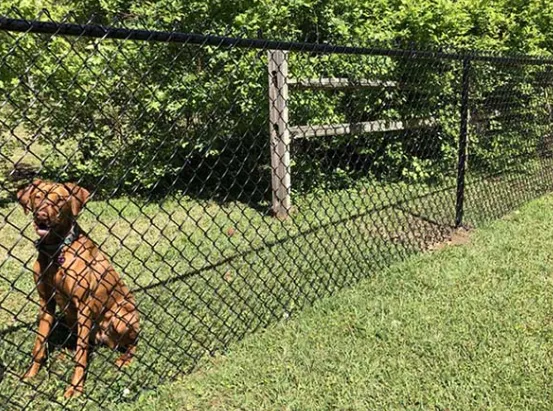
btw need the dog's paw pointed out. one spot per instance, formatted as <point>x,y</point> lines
<point>73,391</point>
<point>32,371</point>
<point>123,361</point>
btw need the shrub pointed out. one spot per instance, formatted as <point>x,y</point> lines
<point>147,118</point>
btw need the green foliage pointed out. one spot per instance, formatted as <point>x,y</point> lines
<point>143,117</point>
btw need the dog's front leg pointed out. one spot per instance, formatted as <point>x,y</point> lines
<point>45,322</point>
<point>46,314</point>
<point>84,322</point>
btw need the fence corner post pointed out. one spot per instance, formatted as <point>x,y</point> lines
<point>280,133</point>
<point>463,142</point>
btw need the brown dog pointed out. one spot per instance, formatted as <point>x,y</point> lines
<point>74,274</point>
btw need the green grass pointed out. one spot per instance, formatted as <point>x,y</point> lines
<point>206,274</point>
<point>465,328</point>
<point>220,286</point>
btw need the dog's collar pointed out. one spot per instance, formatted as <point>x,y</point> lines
<point>52,249</point>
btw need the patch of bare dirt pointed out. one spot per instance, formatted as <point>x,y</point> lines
<point>459,236</point>
<point>410,230</point>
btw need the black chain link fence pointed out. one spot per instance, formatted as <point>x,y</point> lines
<point>232,182</point>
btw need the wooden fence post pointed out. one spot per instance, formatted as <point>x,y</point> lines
<point>280,133</point>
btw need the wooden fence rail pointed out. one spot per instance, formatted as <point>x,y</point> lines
<point>282,133</point>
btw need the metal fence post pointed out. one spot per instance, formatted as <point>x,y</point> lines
<point>280,133</point>
<point>463,138</point>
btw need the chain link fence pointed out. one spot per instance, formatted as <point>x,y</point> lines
<point>229,182</point>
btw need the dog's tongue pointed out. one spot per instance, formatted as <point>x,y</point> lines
<point>42,230</point>
<point>42,233</point>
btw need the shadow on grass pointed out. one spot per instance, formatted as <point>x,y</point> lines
<point>302,233</point>
<point>58,333</point>
<point>190,315</point>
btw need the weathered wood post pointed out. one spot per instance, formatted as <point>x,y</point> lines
<point>280,133</point>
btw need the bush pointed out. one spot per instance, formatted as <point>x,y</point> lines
<point>148,118</point>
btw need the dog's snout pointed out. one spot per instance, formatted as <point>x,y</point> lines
<point>41,215</point>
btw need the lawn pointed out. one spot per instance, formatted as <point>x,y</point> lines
<point>467,327</point>
<point>207,274</point>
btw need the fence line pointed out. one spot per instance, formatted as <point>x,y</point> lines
<point>103,32</point>
<point>166,159</point>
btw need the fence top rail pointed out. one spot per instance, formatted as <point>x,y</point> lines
<point>107,32</point>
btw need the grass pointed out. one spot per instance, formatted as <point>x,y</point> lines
<point>206,274</point>
<point>465,328</point>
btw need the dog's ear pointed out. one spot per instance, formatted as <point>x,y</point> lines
<point>79,196</point>
<point>25,195</point>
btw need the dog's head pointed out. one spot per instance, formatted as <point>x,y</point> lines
<point>54,205</point>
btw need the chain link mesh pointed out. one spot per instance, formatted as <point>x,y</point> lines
<point>234,181</point>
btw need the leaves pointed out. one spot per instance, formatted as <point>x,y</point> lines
<point>136,109</point>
